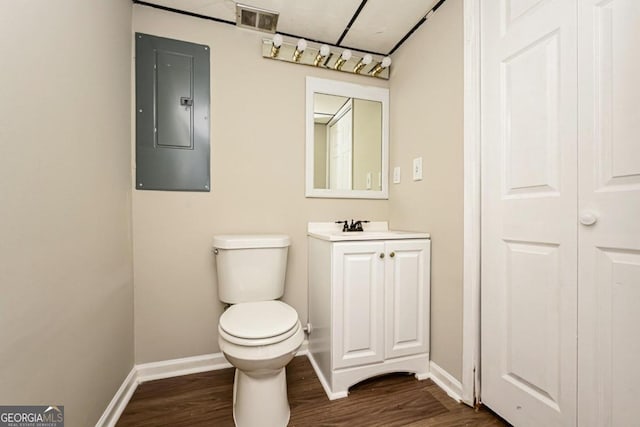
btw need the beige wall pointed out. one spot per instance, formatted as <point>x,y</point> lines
<point>427,120</point>
<point>257,179</point>
<point>66,304</point>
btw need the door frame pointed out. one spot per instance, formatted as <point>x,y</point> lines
<point>472,207</point>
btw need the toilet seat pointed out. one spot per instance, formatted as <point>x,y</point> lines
<point>258,323</point>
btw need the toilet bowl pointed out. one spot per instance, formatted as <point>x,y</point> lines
<point>259,339</point>
<point>257,333</point>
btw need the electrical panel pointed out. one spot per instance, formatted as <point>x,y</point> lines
<point>172,115</point>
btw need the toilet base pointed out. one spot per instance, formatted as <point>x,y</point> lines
<point>260,400</point>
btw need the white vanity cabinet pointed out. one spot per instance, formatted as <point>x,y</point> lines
<point>368,308</point>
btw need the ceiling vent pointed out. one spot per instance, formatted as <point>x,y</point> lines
<point>256,18</point>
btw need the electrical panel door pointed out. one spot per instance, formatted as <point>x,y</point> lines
<point>172,115</point>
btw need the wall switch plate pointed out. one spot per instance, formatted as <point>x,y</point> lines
<point>396,175</point>
<point>417,169</point>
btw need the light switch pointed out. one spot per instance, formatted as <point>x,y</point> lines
<point>396,175</point>
<point>417,169</point>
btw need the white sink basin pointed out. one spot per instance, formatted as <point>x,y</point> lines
<point>333,235</point>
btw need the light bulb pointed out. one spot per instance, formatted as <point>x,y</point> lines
<point>386,61</point>
<point>364,61</point>
<point>275,45</point>
<point>346,55</point>
<point>300,47</point>
<point>277,40</point>
<point>322,53</point>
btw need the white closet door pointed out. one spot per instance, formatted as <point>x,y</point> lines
<point>341,149</point>
<point>609,248</point>
<point>529,229</point>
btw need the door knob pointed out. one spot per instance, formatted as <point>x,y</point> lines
<point>588,218</point>
<point>392,254</point>
<point>381,255</point>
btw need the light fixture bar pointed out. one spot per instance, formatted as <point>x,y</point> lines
<point>326,57</point>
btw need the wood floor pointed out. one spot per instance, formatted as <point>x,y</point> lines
<point>392,400</point>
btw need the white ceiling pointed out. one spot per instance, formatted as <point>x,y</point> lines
<point>380,25</point>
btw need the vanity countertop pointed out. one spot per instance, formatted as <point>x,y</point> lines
<point>372,231</point>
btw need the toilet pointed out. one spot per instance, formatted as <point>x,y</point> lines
<point>257,334</point>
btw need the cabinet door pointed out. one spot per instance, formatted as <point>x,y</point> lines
<point>358,292</point>
<point>407,297</point>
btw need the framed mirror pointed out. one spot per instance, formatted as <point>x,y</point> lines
<point>347,140</point>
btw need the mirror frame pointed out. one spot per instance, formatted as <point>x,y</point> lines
<point>351,90</point>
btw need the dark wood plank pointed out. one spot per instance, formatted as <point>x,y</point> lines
<point>392,400</point>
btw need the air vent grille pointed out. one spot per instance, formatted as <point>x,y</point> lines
<point>256,18</point>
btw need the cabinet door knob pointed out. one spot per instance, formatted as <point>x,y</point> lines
<point>392,254</point>
<point>381,255</point>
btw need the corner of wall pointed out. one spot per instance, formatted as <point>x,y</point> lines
<point>427,121</point>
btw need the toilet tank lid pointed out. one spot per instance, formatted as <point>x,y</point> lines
<point>248,241</point>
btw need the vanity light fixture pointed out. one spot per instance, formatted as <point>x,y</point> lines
<point>300,47</point>
<point>346,55</point>
<point>275,45</point>
<point>322,53</point>
<point>386,61</point>
<point>325,56</point>
<point>366,60</point>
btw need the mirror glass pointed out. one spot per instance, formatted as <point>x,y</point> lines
<point>347,143</point>
<point>347,137</point>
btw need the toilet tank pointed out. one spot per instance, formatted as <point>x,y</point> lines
<point>250,267</point>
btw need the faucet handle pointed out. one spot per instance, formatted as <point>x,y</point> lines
<point>358,225</point>
<point>345,226</point>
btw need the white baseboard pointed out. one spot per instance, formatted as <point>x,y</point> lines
<point>323,381</point>
<point>190,365</point>
<point>183,366</point>
<point>446,381</point>
<point>165,369</point>
<point>120,400</point>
